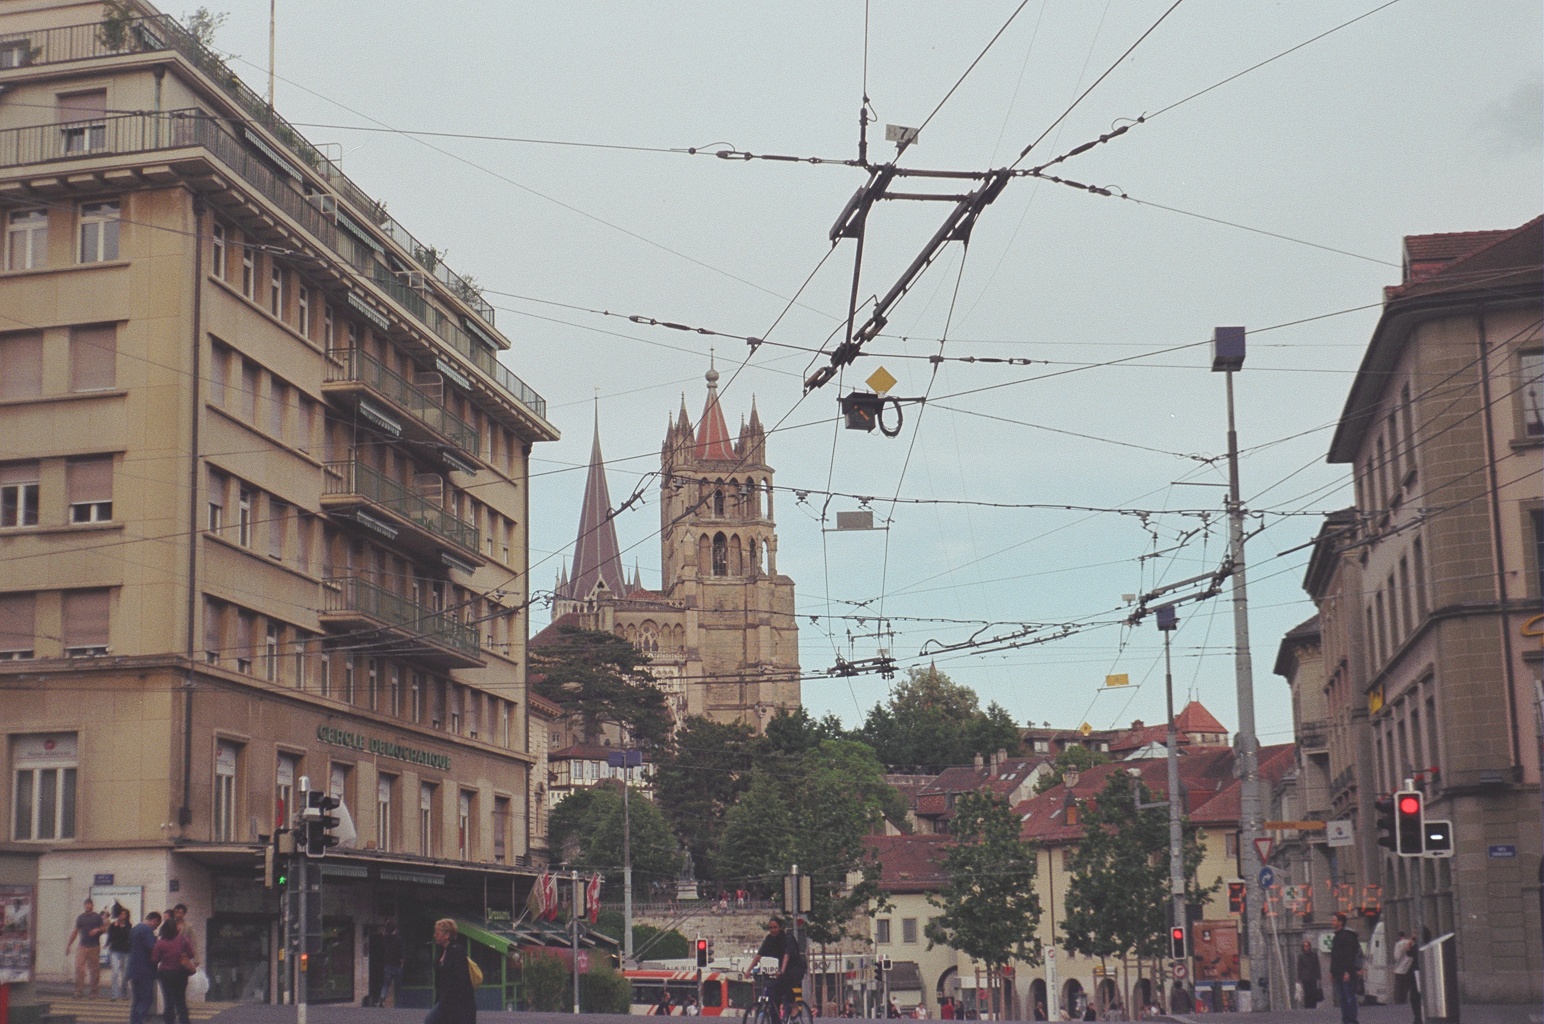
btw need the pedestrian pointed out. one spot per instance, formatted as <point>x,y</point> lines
<point>1308,975</point>
<point>1088,1010</point>
<point>892,1011</point>
<point>920,1013</point>
<point>180,912</point>
<point>1345,965</point>
<point>662,1007</point>
<point>141,969</point>
<point>1404,964</point>
<point>456,1000</point>
<point>174,965</point>
<point>88,929</point>
<point>689,1007</point>
<point>1179,999</point>
<point>118,949</point>
<point>848,1010</point>
<point>946,1008</point>
<point>1039,1010</point>
<point>392,957</point>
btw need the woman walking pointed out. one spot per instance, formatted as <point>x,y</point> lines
<point>118,949</point>
<point>455,1000</point>
<point>174,964</point>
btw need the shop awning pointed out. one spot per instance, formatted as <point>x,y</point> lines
<point>532,933</point>
<point>905,976</point>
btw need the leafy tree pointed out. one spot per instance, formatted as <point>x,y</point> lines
<point>598,677</point>
<point>991,911</point>
<point>698,777</point>
<point>204,23</point>
<point>932,722</point>
<point>1118,898</point>
<point>592,820</point>
<point>792,734</point>
<point>756,837</point>
<point>1072,758</point>
<point>649,942</point>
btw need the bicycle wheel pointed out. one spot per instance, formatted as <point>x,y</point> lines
<point>758,1013</point>
<point>801,1013</point>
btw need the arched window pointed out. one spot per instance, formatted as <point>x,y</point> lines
<point>718,502</point>
<point>754,567</point>
<point>648,638</point>
<point>720,555</point>
<point>736,557</point>
<point>767,486</point>
<point>704,555</point>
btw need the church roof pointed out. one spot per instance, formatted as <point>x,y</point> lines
<point>712,432</point>
<point>597,556</point>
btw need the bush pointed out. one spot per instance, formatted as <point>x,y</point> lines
<point>605,990</point>
<point>545,981</point>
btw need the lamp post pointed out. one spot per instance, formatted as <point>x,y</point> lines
<point>1227,358</point>
<point>1167,622</point>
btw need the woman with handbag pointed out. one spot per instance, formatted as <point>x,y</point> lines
<point>455,997</point>
<point>174,963</point>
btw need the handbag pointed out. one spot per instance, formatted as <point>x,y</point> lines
<point>475,972</point>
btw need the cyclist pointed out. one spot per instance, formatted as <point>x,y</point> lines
<point>782,947</point>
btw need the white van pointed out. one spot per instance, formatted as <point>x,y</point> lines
<point>1379,974</point>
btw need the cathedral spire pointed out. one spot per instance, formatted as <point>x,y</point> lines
<point>712,432</point>
<point>597,556</point>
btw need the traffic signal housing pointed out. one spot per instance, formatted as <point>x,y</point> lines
<point>1410,818</point>
<point>1383,810</point>
<point>265,869</point>
<point>1177,942</point>
<point>702,952</point>
<point>320,821</point>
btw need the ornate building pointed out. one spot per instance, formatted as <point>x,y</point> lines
<point>720,630</point>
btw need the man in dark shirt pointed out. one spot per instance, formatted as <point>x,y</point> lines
<point>1345,965</point>
<point>784,949</point>
<point>391,954</point>
<point>89,927</point>
<point>141,971</point>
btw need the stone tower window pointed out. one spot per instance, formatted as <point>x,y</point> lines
<point>718,505</point>
<point>720,555</point>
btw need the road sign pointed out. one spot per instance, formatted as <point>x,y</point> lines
<point>881,381</point>
<point>1267,878</point>
<point>1119,679</point>
<point>1177,969</point>
<point>1501,851</point>
<point>1339,832</point>
<point>1263,846</point>
<point>1085,728</point>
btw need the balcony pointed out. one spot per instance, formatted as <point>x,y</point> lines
<point>356,606</point>
<point>358,375</point>
<point>395,511</point>
<point>1313,734</point>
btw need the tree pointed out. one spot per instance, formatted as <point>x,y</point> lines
<point>590,822</point>
<point>1118,898</point>
<point>991,911</point>
<point>753,846</point>
<point>932,722</point>
<point>1072,758</point>
<point>204,23</point>
<point>598,677</point>
<point>701,773</point>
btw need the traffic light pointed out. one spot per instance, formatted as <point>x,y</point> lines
<point>264,873</point>
<point>861,409</point>
<point>885,964</point>
<point>1439,838</point>
<point>1410,811</point>
<point>1383,809</point>
<point>319,822</point>
<point>702,952</point>
<point>1177,942</point>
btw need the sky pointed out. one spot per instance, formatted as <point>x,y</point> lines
<point>1276,200</point>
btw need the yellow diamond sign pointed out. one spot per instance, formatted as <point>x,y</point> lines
<point>880,381</point>
<point>1085,728</point>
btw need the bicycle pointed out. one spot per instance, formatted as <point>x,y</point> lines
<point>762,1010</point>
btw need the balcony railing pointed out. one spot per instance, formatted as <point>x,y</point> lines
<point>371,372</point>
<point>353,594</point>
<point>379,489</point>
<point>163,32</point>
<point>179,129</point>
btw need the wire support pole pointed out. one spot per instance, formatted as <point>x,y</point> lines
<point>1176,837</point>
<point>1251,812</point>
<point>627,865</point>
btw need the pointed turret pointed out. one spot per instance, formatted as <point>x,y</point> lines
<point>712,432</point>
<point>597,556</point>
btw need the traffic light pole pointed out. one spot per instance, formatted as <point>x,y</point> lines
<point>303,955</point>
<point>1176,837</point>
<point>1418,978</point>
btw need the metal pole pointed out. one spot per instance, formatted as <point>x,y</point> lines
<point>627,863</point>
<point>1251,815</point>
<point>273,20</point>
<point>577,899</point>
<point>1176,838</point>
<point>303,960</point>
<point>1419,979</point>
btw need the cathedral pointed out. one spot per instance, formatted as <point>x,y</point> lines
<point>720,631</point>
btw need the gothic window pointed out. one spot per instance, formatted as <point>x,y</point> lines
<point>736,557</point>
<point>718,503</point>
<point>704,556</point>
<point>767,484</point>
<point>755,562</point>
<point>648,638</point>
<point>720,555</point>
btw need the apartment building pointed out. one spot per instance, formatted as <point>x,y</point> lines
<point>1429,592</point>
<point>263,517</point>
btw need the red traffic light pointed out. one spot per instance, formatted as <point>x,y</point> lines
<point>1177,934</point>
<point>1409,804</point>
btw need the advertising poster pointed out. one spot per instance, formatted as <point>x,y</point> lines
<point>17,904</point>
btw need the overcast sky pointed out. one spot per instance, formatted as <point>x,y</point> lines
<point>1422,117</point>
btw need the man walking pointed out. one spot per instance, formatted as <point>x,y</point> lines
<point>1308,975</point>
<point>392,956</point>
<point>1345,964</point>
<point>89,927</point>
<point>141,968</point>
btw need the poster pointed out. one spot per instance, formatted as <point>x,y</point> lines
<point>17,906</point>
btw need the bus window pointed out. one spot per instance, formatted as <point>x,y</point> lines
<point>713,993</point>
<point>741,995</point>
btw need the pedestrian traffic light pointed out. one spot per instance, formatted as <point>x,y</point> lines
<point>885,964</point>
<point>319,822</point>
<point>1410,811</point>
<point>702,952</point>
<point>1383,810</point>
<point>1236,897</point>
<point>1177,942</point>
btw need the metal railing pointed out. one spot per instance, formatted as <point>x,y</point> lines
<point>355,478</point>
<point>353,594</point>
<point>163,32</point>
<point>370,371</point>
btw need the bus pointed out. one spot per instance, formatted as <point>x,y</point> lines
<point>722,994</point>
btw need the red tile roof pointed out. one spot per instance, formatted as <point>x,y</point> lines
<point>712,432</point>
<point>1195,718</point>
<point>909,864</point>
<point>586,752</point>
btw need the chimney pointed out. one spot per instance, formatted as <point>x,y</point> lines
<point>979,762</point>
<point>1070,778</point>
<point>1137,724</point>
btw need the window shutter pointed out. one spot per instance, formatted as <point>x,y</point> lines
<point>93,358</point>
<point>212,632</point>
<point>83,106</point>
<point>89,480</point>
<point>278,522</point>
<point>85,618</point>
<point>21,365</point>
<point>244,635</point>
<point>17,621</point>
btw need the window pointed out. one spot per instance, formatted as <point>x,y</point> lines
<point>15,54</point>
<point>83,117</point>
<point>17,626</point>
<point>21,365</point>
<point>303,310</point>
<point>244,517</point>
<point>418,697</point>
<point>219,373</point>
<point>217,250</point>
<point>278,526</point>
<point>1407,424</point>
<point>251,385</point>
<point>278,404</point>
<point>271,653</point>
<point>720,555</point>
<point>98,231</point>
<point>1230,845</point>
<point>384,785</point>
<point>19,494</point>
<point>276,290</point>
<point>909,929</point>
<point>338,783</point>
<point>425,819</point>
<point>219,486</point>
<point>248,271</point>
<point>43,797</point>
<point>882,931</point>
<point>93,358</point>
<point>226,755</point>
<point>394,686</point>
<point>214,630</point>
<point>26,239</point>
<point>1531,367</point>
<point>327,327</point>
<point>348,679</point>
<point>244,644</point>
<point>373,682</point>
<point>324,676</point>
<point>500,829</point>
<point>464,824</point>
<point>85,623</point>
<point>287,772</point>
<point>1536,520</point>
